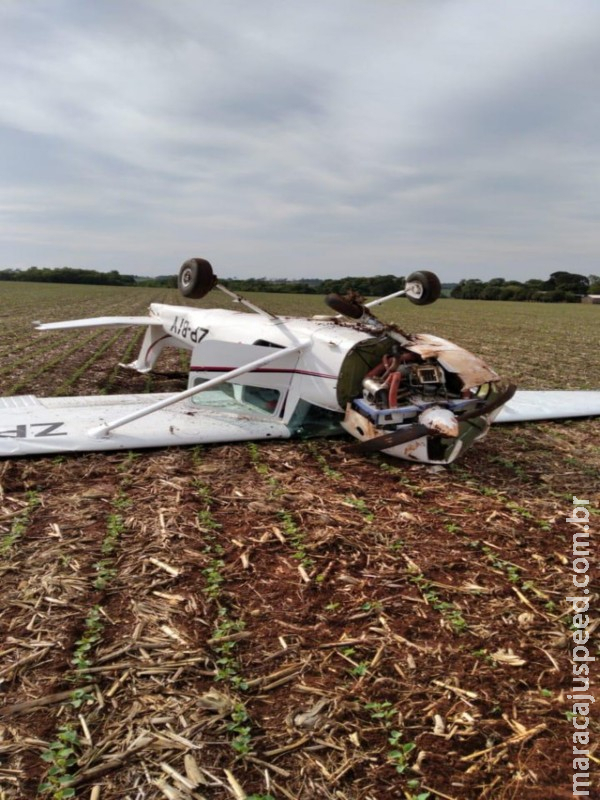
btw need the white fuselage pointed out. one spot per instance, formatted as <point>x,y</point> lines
<point>258,376</point>
<point>222,340</point>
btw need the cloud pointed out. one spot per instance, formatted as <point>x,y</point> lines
<point>301,139</point>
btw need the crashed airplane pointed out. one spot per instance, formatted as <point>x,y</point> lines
<point>255,375</point>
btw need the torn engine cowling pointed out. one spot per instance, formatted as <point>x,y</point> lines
<point>426,399</point>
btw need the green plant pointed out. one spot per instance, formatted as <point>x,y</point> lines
<point>78,697</point>
<point>62,757</point>
<point>393,470</point>
<point>256,460</point>
<point>414,783</point>
<point>513,572</point>
<point>206,521</point>
<point>360,504</point>
<point>105,573</point>
<point>483,654</point>
<point>454,617</point>
<point>130,458</point>
<point>372,605</point>
<point>420,796</point>
<point>19,523</point>
<point>382,711</point>
<point>240,727</point>
<point>228,667</point>
<point>92,634</point>
<point>228,670</point>
<point>400,752</point>
<point>214,578</point>
<point>322,462</point>
<point>296,537</point>
<point>223,639</point>
<point>487,491</point>
<point>360,669</point>
<point>522,512</point>
<point>449,611</point>
<point>452,527</point>
<point>260,797</point>
<point>115,527</point>
<point>508,463</point>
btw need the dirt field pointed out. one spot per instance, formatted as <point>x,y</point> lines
<point>286,620</point>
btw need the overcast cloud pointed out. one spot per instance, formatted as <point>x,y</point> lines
<point>314,139</point>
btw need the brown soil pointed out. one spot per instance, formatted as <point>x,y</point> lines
<point>290,620</point>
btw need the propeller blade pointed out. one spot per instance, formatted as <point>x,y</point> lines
<point>412,432</point>
<point>487,408</point>
<point>403,436</point>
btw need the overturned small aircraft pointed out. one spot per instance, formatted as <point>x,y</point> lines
<point>255,375</point>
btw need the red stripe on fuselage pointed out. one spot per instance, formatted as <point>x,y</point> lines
<point>266,369</point>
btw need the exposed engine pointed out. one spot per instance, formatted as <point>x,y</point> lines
<point>398,376</point>
<point>424,396</point>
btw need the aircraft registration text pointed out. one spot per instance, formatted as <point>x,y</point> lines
<point>181,327</point>
<point>26,431</point>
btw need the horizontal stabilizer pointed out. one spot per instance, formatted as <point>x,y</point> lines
<point>93,322</point>
<point>529,406</point>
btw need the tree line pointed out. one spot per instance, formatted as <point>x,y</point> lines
<point>560,287</point>
<point>68,275</point>
<point>377,285</point>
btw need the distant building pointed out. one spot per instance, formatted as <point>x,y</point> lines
<point>591,298</point>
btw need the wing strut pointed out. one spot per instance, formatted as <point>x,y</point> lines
<point>104,430</point>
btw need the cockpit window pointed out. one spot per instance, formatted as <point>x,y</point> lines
<point>234,397</point>
<point>219,396</point>
<point>260,398</point>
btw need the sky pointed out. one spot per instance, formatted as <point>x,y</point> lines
<point>301,140</point>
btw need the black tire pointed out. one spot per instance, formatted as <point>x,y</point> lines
<point>430,288</point>
<point>196,278</point>
<point>345,307</point>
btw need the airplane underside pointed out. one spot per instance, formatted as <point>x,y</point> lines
<point>38,426</point>
<point>43,426</point>
<point>34,426</point>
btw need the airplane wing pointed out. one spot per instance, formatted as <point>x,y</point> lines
<point>92,322</point>
<point>526,406</point>
<point>41,426</point>
<point>30,425</point>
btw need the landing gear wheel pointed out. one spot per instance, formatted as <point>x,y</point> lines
<point>423,288</point>
<point>196,278</point>
<point>343,306</point>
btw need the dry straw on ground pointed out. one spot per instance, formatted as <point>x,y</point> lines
<point>287,620</point>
